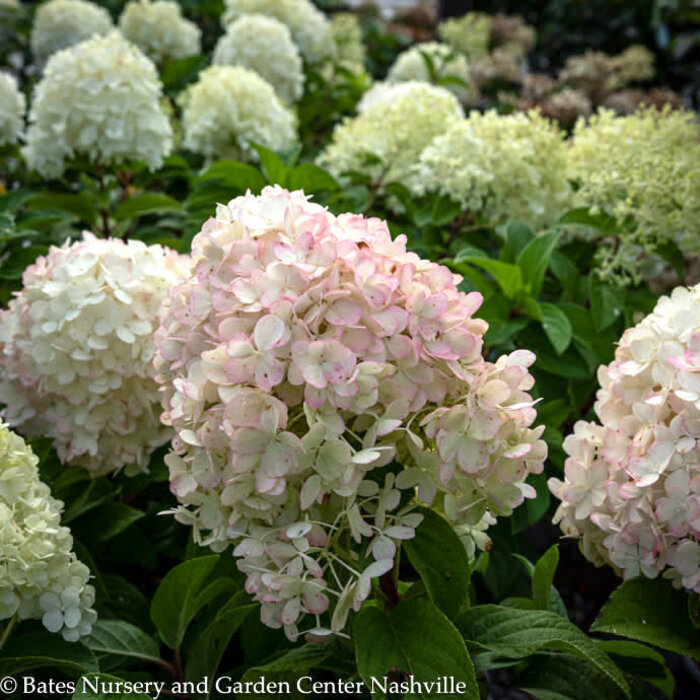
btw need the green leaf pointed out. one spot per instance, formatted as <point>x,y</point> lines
<point>45,650</point>
<point>606,302</point>
<point>438,555</point>
<point>417,639</point>
<point>272,166</point>
<point>543,577</point>
<point>80,205</point>
<point>566,677</point>
<point>534,260</point>
<point>651,611</point>
<point>310,178</point>
<point>640,661</point>
<point>114,640</point>
<point>177,73</point>
<point>112,519</point>
<point>517,237</point>
<point>582,216</point>
<point>19,260</point>
<point>556,326</point>
<point>673,255</point>
<point>518,634</point>
<point>142,204</point>
<point>289,667</point>
<point>234,174</point>
<point>91,687</point>
<point>210,645</point>
<point>444,210</point>
<point>125,601</point>
<point>508,276</point>
<point>177,600</point>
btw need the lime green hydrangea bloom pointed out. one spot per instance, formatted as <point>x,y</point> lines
<point>470,34</point>
<point>394,132</point>
<point>346,34</point>
<point>644,170</point>
<point>499,167</point>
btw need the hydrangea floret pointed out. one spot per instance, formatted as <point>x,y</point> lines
<point>643,170</point>
<point>631,488</point>
<point>100,100</point>
<point>40,575</point>
<point>230,106</point>
<point>322,380</point>
<point>499,167</point>
<point>386,138</point>
<point>76,351</point>
<point>59,24</point>
<point>310,28</point>
<point>431,61</point>
<point>12,107</point>
<point>159,29</point>
<point>263,44</point>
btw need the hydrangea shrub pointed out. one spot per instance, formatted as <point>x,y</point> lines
<point>321,380</point>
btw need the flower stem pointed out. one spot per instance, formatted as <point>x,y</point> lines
<point>8,630</point>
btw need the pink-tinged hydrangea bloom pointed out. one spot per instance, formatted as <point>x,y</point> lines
<point>76,351</point>
<point>322,381</point>
<point>631,490</point>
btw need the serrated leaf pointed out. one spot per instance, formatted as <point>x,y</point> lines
<point>439,557</point>
<point>509,277</point>
<point>177,600</point>
<point>114,640</point>
<point>415,638</point>
<point>519,634</point>
<point>651,611</point>
<point>556,326</point>
<point>543,577</point>
<point>272,166</point>
<point>45,650</point>
<point>112,519</point>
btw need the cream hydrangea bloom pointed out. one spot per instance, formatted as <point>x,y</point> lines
<point>158,28</point>
<point>59,24</point>
<point>228,107</point>
<point>395,131</point>
<point>76,351</point>
<point>631,488</point>
<point>40,576</point>
<point>12,107</point>
<point>346,34</point>
<point>644,170</point>
<point>263,44</point>
<point>305,354</point>
<point>413,63</point>
<point>469,34</point>
<point>99,99</point>
<point>499,167</point>
<point>309,27</point>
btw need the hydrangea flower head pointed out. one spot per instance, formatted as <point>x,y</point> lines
<point>228,107</point>
<point>499,167</point>
<point>59,24</point>
<point>313,371</point>
<point>158,28</point>
<point>263,44</point>
<point>12,107</point>
<point>416,62</point>
<point>393,130</point>
<point>76,351</point>
<point>469,34</point>
<point>41,578</point>
<point>631,489</point>
<point>346,34</point>
<point>644,170</point>
<point>99,99</point>
<point>310,28</point>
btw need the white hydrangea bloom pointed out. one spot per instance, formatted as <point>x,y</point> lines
<point>263,44</point>
<point>310,28</point>
<point>395,130</point>
<point>76,351</point>
<point>159,29</point>
<point>59,24</point>
<point>99,99</point>
<point>413,64</point>
<point>40,576</point>
<point>346,34</point>
<point>499,167</point>
<point>631,488</point>
<point>228,107</point>
<point>12,107</point>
